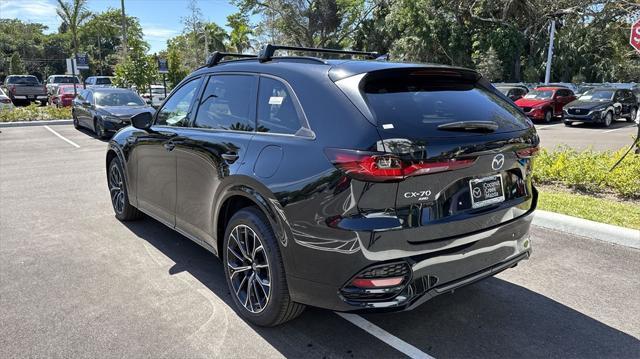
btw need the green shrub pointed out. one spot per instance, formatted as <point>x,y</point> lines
<point>589,171</point>
<point>35,113</point>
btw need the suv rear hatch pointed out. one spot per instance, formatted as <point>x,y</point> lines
<point>458,151</point>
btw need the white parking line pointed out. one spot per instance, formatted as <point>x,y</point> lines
<point>619,128</point>
<point>395,342</point>
<point>62,137</point>
<point>542,127</point>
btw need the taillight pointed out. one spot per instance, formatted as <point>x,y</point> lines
<point>527,152</point>
<point>5,100</point>
<point>12,89</point>
<point>383,167</point>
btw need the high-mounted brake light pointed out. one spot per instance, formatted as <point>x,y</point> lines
<point>527,152</point>
<point>382,167</point>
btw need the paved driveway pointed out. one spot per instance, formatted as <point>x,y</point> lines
<point>75,282</point>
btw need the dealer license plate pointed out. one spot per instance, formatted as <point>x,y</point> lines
<point>486,191</point>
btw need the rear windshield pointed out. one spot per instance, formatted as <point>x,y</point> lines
<point>103,81</point>
<point>157,91</point>
<point>118,99</point>
<point>65,80</point>
<point>23,80</point>
<point>66,89</point>
<point>411,105</point>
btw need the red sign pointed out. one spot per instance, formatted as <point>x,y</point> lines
<point>634,39</point>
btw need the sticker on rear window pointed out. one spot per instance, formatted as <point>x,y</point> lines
<point>275,100</point>
<point>387,126</point>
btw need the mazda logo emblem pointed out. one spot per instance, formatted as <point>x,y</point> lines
<point>477,192</point>
<point>498,162</point>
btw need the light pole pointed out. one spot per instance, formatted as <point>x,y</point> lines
<point>552,33</point>
<point>124,30</point>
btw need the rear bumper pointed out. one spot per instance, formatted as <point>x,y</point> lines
<point>455,263</point>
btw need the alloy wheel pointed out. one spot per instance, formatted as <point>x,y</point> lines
<point>249,272</point>
<point>116,189</point>
<point>547,117</point>
<point>608,119</point>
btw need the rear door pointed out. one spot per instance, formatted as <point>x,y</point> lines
<point>213,148</point>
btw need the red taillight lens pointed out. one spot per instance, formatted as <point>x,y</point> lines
<point>382,167</point>
<point>527,152</point>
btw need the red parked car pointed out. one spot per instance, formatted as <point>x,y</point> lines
<point>544,103</point>
<point>63,96</point>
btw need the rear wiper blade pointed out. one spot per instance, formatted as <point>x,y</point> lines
<point>469,126</point>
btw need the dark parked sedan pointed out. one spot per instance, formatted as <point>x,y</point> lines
<point>106,110</point>
<point>601,105</point>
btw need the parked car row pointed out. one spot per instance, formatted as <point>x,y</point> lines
<point>594,103</point>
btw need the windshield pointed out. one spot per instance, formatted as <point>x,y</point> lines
<point>65,80</point>
<point>103,81</point>
<point>584,89</point>
<point>118,99</point>
<point>22,80</point>
<point>539,94</point>
<point>598,95</point>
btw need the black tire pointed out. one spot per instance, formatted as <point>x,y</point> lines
<point>632,115</point>
<point>608,119</point>
<point>278,306</point>
<point>548,116</point>
<point>76,124</point>
<point>98,129</point>
<point>118,192</point>
<point>567,123</point>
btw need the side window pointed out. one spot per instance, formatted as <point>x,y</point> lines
<point>176,109</point>
<point>89,97</point>
<point>276,109</point>
<point>227,103</point>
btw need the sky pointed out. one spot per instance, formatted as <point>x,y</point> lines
<point>160,19</point>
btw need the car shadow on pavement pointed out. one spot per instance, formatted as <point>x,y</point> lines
<point>92,134</point>
<point>493,318</point>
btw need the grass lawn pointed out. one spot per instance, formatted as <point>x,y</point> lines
<point>605,210</point>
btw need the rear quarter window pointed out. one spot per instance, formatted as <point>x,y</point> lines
<point>276,108</point>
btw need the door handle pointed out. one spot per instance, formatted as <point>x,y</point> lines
<point>169,146</point>
<point>230,157</point>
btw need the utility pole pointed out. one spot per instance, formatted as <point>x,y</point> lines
<point>552,33</point>
<point>125,46</point>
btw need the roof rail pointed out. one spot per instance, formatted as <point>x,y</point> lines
<point>267,51</point>
<point>217,56</point>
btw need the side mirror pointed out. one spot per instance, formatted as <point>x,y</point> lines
<point>86,103</point>
<point>142,121</point>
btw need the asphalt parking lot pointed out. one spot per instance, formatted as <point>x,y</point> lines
<point>581,136</point>
<point>75,282</point>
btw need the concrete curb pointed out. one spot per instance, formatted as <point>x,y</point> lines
<point>35,123</point>
<point>586,228</point>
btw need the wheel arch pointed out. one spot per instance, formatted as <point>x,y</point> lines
<point>243,193</point>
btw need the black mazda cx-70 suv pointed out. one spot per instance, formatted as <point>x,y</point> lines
<point>352,185</point>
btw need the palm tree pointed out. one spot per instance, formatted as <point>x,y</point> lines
<point>240,31</point>
<point>217,37</point>
<point>73,14</point>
